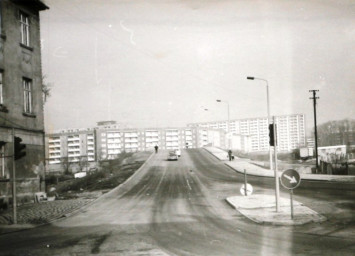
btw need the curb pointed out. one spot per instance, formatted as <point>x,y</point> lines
<point>246,216</point>
<point>213,154</point>
<point>275,223</point>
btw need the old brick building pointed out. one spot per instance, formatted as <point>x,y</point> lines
<point>21,100</point>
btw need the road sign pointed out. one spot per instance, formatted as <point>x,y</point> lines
<point>248,191</point>
<point>290,179</point>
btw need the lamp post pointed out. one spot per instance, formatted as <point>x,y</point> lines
<point>270,152</point>
<point>228,130</point>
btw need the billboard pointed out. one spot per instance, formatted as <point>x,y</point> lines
<point>332,153</point>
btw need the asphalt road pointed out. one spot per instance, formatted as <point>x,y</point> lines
<point>179,208</point>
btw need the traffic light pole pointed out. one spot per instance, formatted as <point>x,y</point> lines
<point>14,203</point>
<point>269,120</point>
<point>277,187</point>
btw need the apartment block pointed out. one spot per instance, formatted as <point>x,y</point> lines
<point>108,139</point>
<point>74,145</point>
<point>290,131</point>
<point>152,138</point>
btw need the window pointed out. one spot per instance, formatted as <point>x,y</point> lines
<point>1,32</point>
<point>25,29</point>
<point>27,95</point>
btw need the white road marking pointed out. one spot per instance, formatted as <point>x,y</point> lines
<point>188,184</point>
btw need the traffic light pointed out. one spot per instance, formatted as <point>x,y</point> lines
<point>2,143</point>
<point>20,149</point>
<point>271,135</point>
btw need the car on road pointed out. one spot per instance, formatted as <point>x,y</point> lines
<point>172,156</point>
<point>178,152</point>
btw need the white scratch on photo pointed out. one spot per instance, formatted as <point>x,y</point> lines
<point>128,30</point>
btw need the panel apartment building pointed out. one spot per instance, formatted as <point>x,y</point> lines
<point>290,131</point>
<point>108,139</point>
<point>73,144</point>
<point>21,99</point>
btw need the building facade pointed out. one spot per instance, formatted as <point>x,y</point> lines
<point>240,142</point>
<point>108,139</point>
<point>76,145</point>
<point>290,131</point>
<point>21,99</point>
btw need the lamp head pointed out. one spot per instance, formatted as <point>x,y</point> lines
<point>250,77</point>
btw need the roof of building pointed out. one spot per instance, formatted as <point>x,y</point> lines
<point>38,4</point>
<point>240,120</point>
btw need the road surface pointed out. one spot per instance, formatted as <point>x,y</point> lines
<point>179,208</point>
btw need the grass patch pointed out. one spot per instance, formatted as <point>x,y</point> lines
<point>38,220</point>
<point>107,175</point>
<point>100,180</point>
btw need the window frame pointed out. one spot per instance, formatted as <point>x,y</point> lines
<point>25,28</point>
<point>1,24</point>
<point>27,95</point>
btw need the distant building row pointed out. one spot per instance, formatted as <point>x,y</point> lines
<point>107,140</point>
<point>252,134</point>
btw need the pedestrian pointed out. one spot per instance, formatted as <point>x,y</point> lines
<point>230,155</point>
<point>156,148</point>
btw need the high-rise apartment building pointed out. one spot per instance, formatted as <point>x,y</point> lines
<point>290,131</point>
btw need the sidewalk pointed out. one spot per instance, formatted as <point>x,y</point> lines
<point>240,165</point>
<point>35,214</point>
<point>261,208</point>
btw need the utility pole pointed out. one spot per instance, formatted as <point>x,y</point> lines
<point>314,98</point>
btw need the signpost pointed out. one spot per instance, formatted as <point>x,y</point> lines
<point>246,190</point>
<point>290,179</point>
<point>245,182</point>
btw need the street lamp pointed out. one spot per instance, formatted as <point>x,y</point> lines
<point>270,152</point>
<point>229,142</point>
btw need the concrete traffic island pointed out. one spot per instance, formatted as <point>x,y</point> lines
<point>261,209</point>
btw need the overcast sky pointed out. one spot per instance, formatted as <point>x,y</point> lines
<point>161,63</point>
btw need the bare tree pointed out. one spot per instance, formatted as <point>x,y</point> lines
<point>83,163</point>
<point>46,89</point>
<point>336,132</point>
<point>66,164</point>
